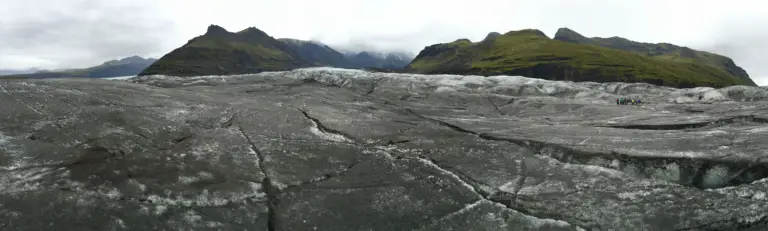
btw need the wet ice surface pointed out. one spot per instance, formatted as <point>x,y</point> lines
<point>331,149</point>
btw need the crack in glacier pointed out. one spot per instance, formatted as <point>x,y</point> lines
<point>373,86</point>
<point>731,223</point>
<point>684,126</point>
<point>481,194</point>
<point>495,107</point>
<point>521,182</point>
<point>324,177</point>
<point>228,122</point>
<point>454,213</point>
<point>269,188</point>
<point>699,173</point>
<point>433,164</point>
<point>321,130</point>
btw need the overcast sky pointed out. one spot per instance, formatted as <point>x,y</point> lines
<point>79,33</point>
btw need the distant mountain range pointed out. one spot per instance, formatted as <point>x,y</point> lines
<point>567,56</point>
<point>530,53</point>
<point>220,52</point>
<point>571,56</point>
<point>123,67</point>
<point>18,71</point>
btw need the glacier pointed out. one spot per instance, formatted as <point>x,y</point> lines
<point>338,149</point>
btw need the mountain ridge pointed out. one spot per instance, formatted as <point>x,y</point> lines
<point>220,52</point>
<point>18,71</point>
<point>571,56</point>
<point>664,50</point>
<point>127,66</point>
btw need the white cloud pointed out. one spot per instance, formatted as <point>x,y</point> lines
<point>153,27</point>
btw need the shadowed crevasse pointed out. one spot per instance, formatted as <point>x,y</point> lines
<point>683,126</point>
<point>269,188</point>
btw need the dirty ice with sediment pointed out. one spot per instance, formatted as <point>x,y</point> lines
<point>330,149</point>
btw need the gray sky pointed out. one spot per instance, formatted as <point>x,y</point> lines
<point>79,33</point>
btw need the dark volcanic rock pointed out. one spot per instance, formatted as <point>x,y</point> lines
<point>327,149</point>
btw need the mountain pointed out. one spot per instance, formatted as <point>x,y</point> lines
<point>379,60</point>
<point>531,53</point>
<point>123,67</point>
<point>18,71</point>
<point>317,54</point>
<point>659,50</point>
<point>220,52</point>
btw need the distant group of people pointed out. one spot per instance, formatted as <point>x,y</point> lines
<point>625,101</point>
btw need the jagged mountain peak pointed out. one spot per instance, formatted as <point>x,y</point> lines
<point>536,32</point>
<point>565,31</point>
<point>491,35</point>
<point>216,30</point>
<point>252,32</point>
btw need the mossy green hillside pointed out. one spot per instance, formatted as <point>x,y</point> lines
<point>658,50</point>
<point>530,53</point>
<point>221,52</point>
